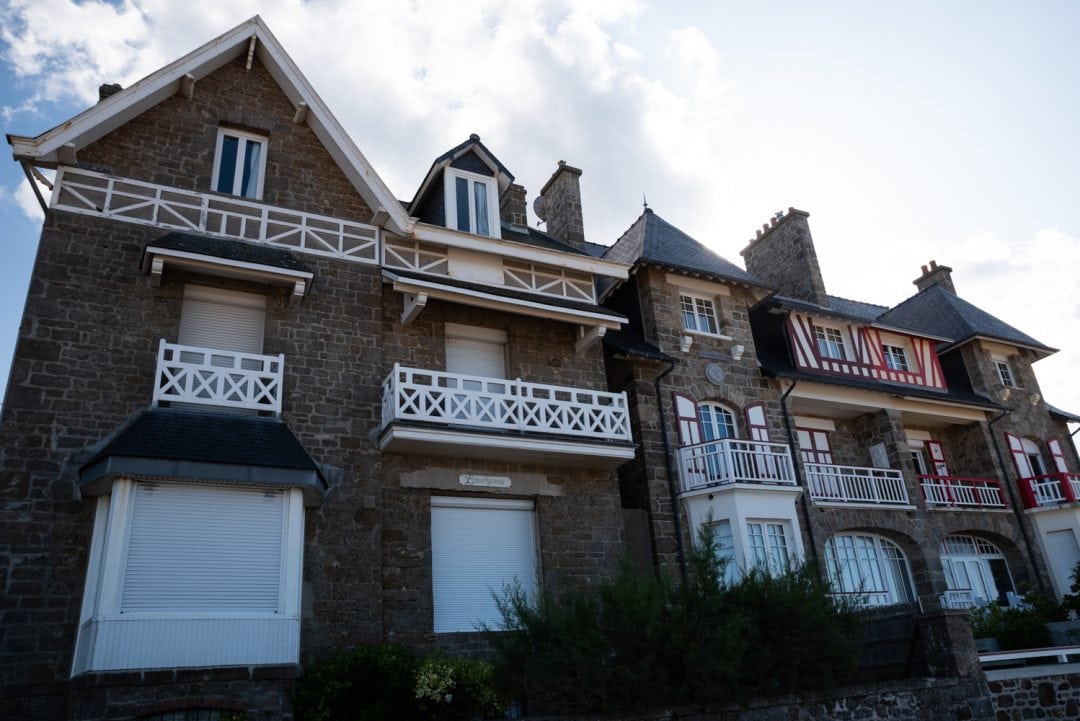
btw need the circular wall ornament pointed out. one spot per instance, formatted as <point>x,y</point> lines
<point>714,374</point>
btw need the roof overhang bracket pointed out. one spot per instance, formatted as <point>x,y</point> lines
<point>414,303</point>
<point>251,51</point>
<point>301,113</point>
<point>65,154</point>
<point>156,259</point>
<point>587,338</point>
<point>187,86</point>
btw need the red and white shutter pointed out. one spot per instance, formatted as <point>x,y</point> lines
<point>937,458</point>
<point>1058,455</point>
<point>1016,447</point>
<point>686,417</point>
<point>756,424</point>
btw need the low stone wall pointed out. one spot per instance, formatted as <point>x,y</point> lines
<point>1050,692</point>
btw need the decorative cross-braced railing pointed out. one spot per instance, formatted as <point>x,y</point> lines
<point>187,374</point>
<point>855,484</point>
<point>414,254</point>
<point>1050,490</point>
<point>958,598</point>
<point>414,394</point>
<point>549,281</point>
<point>90,193</point>
<point>962,493</point>
<point>733,461</point>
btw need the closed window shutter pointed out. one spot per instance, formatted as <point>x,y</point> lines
<point>756,423</point>
<point>937,457</point>
<point>222,319</point>
<point>1058,455</point>
<point>1016,448</point>
<point>204,548</point>
<point>479,546</point>
<point>475,358</point>
<point>686,417</point>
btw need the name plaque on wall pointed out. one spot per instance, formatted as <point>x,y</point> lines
<point>485,481</point>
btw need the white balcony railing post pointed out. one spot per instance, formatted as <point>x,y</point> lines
<point>854,484</point>
<point>208,376</point>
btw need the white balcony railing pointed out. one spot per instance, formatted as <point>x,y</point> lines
<point>413,394</point>
<point>90,193</point>
<point>854,484</point>
<point>966,493</point>
<point>734,461</point>
<point>958,599</point>
<point>187,374</point>
<point>1050,490</point>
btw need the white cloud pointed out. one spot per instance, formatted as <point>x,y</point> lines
<point>26,200</point>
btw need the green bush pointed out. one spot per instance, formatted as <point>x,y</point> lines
<point>1015,628</point>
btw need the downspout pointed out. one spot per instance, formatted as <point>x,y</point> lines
<point>798,474</point>
<point>1028,543</point>
<point>672,494</point>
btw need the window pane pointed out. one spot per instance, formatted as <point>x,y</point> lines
<point>461,197</point>
<point>250,184</point>
<point>481,205</point>
<point>227,164</point>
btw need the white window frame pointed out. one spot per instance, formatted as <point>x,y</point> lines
<point>232,638</point>
<point>450,201</point>
<point>976,558</point>
<point>776,556</point>
<point>823,342</point>
<point>896,357</point>
<point>708,422</point>
<point>702,309</point>
<point>1004,371</point>
<point>883,567</point>
<point>238,170</point>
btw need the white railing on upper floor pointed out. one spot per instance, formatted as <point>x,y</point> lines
<point>205,376</point>
<point>856,484</point>
<point>1050,490</point>
<point>959,598</point>
<point>962,493</point>
<point>453,399</point>
<point>734,461</point>
<point>90,193</point>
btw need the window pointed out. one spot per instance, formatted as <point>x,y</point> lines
<point>769,547</point>
<point>975,572</point>
<point>1034,457</point>
<point>479,546</point>
<point>1004,372</point>
<point>896,358</point>
<point>725,550</point>
<point>471,203</point>
<point>699,314</point>
<point>717,422</point>
<point>240,163</point>
<point>870,569</point>
<point>215,566</point>
<point>830,342</point>
<point>814,446</point>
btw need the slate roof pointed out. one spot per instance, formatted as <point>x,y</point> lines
<point>856,308</point>
<point>627,340</point>
<point>651,239</point>
<point>595,249</point>
<point>538,238</point>
<point>231,250</point>
<point>1063,415</point>
<point>938,312</point>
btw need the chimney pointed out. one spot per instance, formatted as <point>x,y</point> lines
<point>559,206</point>
<point>782,255</point>
<point>106,90</point>
<point>512,207</point>
<point>935,275</point>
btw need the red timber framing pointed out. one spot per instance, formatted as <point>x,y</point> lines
<point>865,356</point>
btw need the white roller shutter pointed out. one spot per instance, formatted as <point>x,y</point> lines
<point>223,319</point>
<point>479,545</point>
<point>204,548</point>
<point>475,358</point>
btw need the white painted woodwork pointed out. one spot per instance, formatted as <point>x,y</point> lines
<point>190,374</point>
<point>90,193</point>
<point>474,266</point>
<point>734,461</point>
<point>962,493</point>
<point>479,546</point>
<point>222,319</point>
<point>415,394</point>
<point>412,254</point>
<point>855,484</point>
<point>548,280</point>
<point>1050,490</point>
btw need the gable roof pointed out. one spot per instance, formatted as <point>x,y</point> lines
<point>938,312</point>
<point>250,36</point>
<point>473,146</point>
<point>651,239</point>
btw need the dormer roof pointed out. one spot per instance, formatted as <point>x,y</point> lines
<point>471,155</point>
<point>251,38</point>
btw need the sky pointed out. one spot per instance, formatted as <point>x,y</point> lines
<point>909,131</point>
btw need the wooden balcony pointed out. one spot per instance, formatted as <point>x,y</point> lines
<point>439,413</point>
<point>731,461</point>
<point>1050,490</point>
<point>225,379</point>
<point>856,485</point>
<point>958,493</point>
<point>133,201</point>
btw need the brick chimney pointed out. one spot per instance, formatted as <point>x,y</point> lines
<point>106,90</point>
<point>782,255</point>
<point>935,274</point>
<point>512,207</point>
<point>559,206</point>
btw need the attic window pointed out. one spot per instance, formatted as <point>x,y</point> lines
<point>1004,372</point>
<point>239,163</point>
<point>895,358</point>
<point>471,203</point>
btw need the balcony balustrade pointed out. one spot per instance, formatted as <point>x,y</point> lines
<point>729,461</point>
<point>499,405</point>
<point>960,598</point>
<point>133,201</point>
<point>962,493</point>
<point>1050,490</point>
<point>855,484</point>
<point>205,376</point>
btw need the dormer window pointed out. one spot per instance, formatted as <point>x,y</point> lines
<point>471,203</point>
<point>699,314</point>
<point>895,358</point>
<point>830,342</point>
<point>239,163</point>
<point>1004,372</point>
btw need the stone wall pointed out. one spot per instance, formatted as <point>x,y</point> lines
<point>1024,696</point>
<point>783,256</point>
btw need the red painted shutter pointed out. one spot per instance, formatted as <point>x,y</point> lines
<point>755,422</point>
<point>1016,447</point>
<point>937,457</point>
<point>1059,456</point>
<point>686,417</point>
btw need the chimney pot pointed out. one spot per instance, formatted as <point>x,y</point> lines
<point>759,233</point>
<point>933,265</point>
<point>935,274</point>
<point>106,90</point>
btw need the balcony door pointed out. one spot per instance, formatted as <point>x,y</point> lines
<point>476,369</point>
<point>716,422</point>
<point>975,570</point>
<point>222,319</point>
